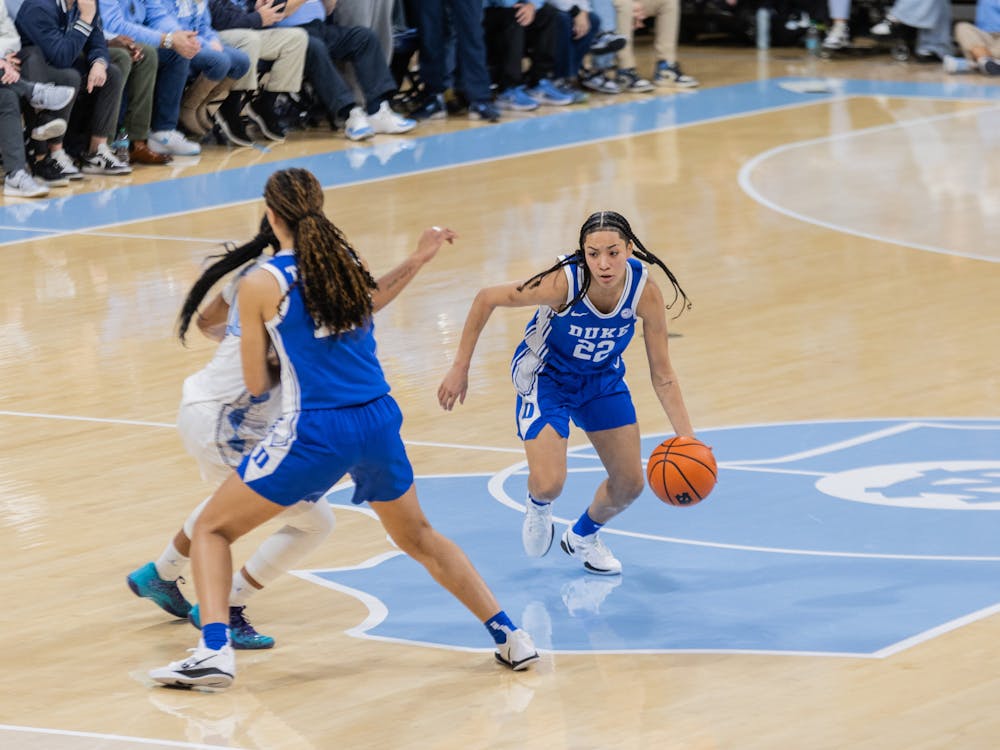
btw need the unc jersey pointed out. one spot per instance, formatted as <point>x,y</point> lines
<point>219,420</point>
<point>580,339</point>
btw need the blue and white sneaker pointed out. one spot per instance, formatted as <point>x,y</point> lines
<point>546,93</point>
<point>516,98</point>
<point>241,632</point>
<point>518,652</point>
<point>146,582</point>
<point>387,121</point>
<point>357,127</point>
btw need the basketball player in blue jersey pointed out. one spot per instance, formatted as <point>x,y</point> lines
<point>569,366</point>
<point>313,303</point>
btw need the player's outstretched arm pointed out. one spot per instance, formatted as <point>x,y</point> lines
<point>392,283</point>
<point>654,332</point>
<point>551,291</point>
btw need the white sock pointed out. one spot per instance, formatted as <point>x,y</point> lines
<point>241,590</point>
<point>170,565</point>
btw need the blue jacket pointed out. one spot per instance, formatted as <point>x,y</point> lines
<point>60,33</point>
<point>988,15</point>
<point>146,21</point>
<point>192,15</point>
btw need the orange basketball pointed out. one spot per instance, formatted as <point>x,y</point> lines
<point>681,471</point>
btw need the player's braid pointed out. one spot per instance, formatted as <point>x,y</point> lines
<point>603,221</point>
<point>234,257</point>
<point>335,286</point>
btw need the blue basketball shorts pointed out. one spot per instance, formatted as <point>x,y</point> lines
<point>306,453</point>
<point>598,401</point>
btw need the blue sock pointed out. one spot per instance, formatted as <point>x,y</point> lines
<point>532,499</point>
<point>500,627</point>
<point>215,635</point>
<point>585,525</point>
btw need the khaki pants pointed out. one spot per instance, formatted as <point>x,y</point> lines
<point>969,36</point>
<point>285,46</point>
<point>668,23</point>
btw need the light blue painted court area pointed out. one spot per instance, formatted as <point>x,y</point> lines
<point>510,138</point>
<point>851,538</point>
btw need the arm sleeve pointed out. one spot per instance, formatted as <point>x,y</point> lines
<point>39,25</point>
<point>10,40</point>
<point>115,23</point>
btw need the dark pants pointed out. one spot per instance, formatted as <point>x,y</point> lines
<point>171,78</point>
<point>140,83</point>
<point>357,45</point>
<point>11,130</point>
<point>35,68</point>
<point>467,18</point>
<point>508,42</point>
<point>569,51</point>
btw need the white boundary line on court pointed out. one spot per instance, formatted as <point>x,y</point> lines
<point>111,737</point>
<point>745,180</point>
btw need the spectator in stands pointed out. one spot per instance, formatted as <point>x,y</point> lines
<point>839,35</point>
<point>470,48</point>
<point>980,42</point>
<point>330,42</point>
<point>254,33</point>
<point>65,44</point>
<point>137,63</point>
<point>931,18</point>
<point>515,29</point>
<point>18,181</point>
<point>141,21</point>
<point>666,31</point>
<point>376,15</point>
<point>579,34</point>
<point>216,67</point>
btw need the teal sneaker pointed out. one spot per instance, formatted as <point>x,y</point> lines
<point>241,631</point>
<point>146,582</point>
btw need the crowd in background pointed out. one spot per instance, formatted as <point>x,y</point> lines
<point>99,86</point>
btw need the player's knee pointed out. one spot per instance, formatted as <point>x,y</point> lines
<point>546,488</point>
<point>627,488</point>
<point>416,540</point>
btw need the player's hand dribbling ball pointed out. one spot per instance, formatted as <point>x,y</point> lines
<point>682,471</point>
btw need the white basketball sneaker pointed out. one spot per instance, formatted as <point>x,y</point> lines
<point>537,532</point>
<point>589,549</point>
<point>518,652</point>
<point>205,667</point>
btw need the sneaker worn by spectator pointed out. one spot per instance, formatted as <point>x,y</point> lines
<point>49,172</point>
<point>22,185</point>
<point>886,27</point>
<point>104,161</point>
<point>631,82</point>
<point>599,82</point>
<point>50,129</point>
<point>386,121</point>
<point>357,127</point>
<point>50,96</point>
<point>260,110</point>
<point>431,107</point>
<point>172,142</point>
<point>990,66</point>
<point>839,36</point>
<point>484,111</point>
<point>65,161</point>
<point>670,74</point>
<point>517,99</point>
<point>547,93</point>
<point>607,42</point>
<point>230,123</point>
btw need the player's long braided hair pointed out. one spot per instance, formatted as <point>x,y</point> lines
<point>615,222</point>
<point>234,257</point>
<point>335,286</point>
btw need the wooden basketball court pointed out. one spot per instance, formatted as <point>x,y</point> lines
<point>841,254</point>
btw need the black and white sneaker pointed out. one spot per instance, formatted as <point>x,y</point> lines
<point>205,667</point>
<point>67,165</point>
<point>265,121</point>
<point>104,161</point>
<point>607,42</point>
<point>592,552</point>
<point>49,172</point>
<point>518,652</point>
<point>232,129</point>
